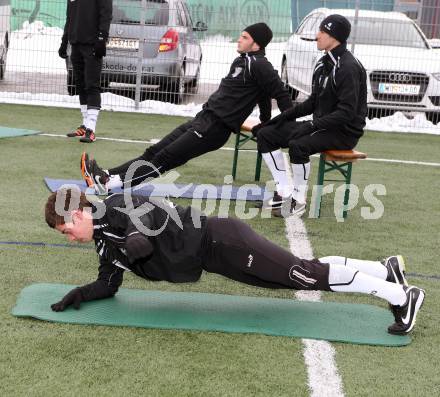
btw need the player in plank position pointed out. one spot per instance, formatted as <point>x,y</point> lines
<point>157,240</point>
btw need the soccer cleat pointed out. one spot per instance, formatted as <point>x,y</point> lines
<point>89,136</point>
<point>405,316</point>
<point>284,211</point>
<point>275,202</point>
<point>93,175</point>
<point>396,269</point>
<point>79,132</point>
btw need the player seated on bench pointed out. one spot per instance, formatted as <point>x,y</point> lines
<point>157,240</point>
<point>338,103</point>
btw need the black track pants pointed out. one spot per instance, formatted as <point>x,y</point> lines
<point>283,135</point>
<point>198,136</point>
<point>235,251</point>
<point>87,75</point>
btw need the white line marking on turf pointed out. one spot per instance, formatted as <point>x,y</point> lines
<point>319,356</point>
<point>230,149</point>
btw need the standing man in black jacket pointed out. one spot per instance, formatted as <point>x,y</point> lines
<point>338,103</point>
<point>87,29</point>
<point>251,80</point>
<point>157,240</point>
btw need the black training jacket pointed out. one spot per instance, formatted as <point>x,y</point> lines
<point>85,19</point>
<point>251,80</point>
<point>339,93</point>
<point>170,253</point>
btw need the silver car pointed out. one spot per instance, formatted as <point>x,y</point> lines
<point>152,47</point>
<point>403,71</point>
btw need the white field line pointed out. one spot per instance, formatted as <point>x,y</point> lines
<point>319,356</point>
<point>230,149</point>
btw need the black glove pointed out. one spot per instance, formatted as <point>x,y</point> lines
<point>62,52</point>
<point>138,246</point>
<point>100,46</point>
<point>288,114</point>
<point>257,128</point>
<point>73,297</point>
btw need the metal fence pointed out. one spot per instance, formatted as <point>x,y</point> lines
<point>178,50</point>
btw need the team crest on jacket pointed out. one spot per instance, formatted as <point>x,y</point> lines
<point>237,72</point>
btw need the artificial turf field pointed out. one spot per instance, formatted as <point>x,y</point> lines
<point>39,358</point>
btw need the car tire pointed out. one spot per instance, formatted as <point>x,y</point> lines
<point>193,85</point>
<point>433,117</point>
<point>2,69</point>
<point>178,88</point>
<point>284,78</point>
<point>71,88</point>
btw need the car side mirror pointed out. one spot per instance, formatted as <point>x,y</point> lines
<point>200,27</point>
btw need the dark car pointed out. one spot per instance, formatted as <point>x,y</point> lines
<point>153,48</point>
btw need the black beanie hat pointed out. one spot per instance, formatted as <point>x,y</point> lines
<point>261,33</point>
<point>336,26</point>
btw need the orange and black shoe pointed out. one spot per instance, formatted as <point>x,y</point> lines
<point>89,136</point>
<point>79,132</point>
<point>94,175</point>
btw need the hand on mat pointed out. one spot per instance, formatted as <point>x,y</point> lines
<point>138,246</point>
<point>73,297</point>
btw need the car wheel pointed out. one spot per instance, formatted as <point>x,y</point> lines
<point>71,88</point>
<point>178,88</point>
<point>2,69</point>
<point>193,85</point>
<point>433,117</point>
<point>284,78</point>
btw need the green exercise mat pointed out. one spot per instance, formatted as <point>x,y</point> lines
<point>8,132</point>
<point>340,322</point>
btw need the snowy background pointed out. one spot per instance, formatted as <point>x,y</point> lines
<point>34,48</point>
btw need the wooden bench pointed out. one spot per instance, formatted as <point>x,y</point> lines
<point>336,160</point>
<point>241,138</point>
<point>330,160</point>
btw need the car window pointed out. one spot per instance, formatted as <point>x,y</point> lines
<point>390,32</point>
<point>310,26</point>
<point>306,25</point>
<point>129,12</point>
<point>187,14</point>
<point>181,15</point>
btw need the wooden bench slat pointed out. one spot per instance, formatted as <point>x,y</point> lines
<point>344,155</point>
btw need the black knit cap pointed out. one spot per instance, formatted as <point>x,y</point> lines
<point>336,26</point>
<point>261,33</point>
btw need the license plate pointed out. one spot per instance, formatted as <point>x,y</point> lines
<point>123,44</point>
<point>406,89</point>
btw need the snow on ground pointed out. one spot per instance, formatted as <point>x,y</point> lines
<point>34,48</point>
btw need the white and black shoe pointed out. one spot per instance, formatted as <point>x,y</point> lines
<point>289,207</point>
<point>405,316</point>
<point>396,269</point>
<point>275,202</point>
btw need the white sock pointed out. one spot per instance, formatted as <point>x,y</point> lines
<point>372,268</point>
<point>84,113</point>
<point>346,279</point>
<point>275,163</point>
<point>301,174</point>
<point>114,182</point>
<point>92,118</point>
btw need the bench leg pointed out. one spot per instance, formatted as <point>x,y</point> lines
<point>319,186</point>
<point>258,167</point>
<point>234,162</point>
<point>347,189</point>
